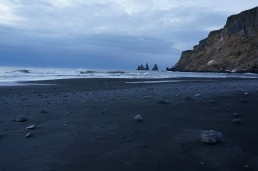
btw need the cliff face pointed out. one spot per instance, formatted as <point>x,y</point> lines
<point>231,49</point>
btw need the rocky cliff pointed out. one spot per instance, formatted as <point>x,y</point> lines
<point>233,48</point>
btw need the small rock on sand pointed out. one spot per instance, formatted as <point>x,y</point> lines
<point>237,120</point>
<point>138,118</point>
<point>197,95</point>
<point>31,127</point>
<point>28,135</point>
<point>236,114</point>
<point>20,118</point>
<point>210,136</point>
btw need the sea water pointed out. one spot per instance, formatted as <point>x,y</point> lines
<point>14,75</point>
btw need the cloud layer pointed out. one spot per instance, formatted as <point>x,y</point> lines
<point>119,33</point>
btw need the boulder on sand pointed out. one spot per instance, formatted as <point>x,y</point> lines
<point>210,136</point>
<point>20,118</point>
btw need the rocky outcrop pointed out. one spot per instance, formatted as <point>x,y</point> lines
<point>233,48</point>
<point>155,67</point>
<point>141,67</point>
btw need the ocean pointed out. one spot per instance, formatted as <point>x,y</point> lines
<point>13,75</point>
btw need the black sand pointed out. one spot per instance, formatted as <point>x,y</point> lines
<point>88,124</point>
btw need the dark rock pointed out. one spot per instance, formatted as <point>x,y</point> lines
<point>20,118</point>
<point>141,67</point>
<point>237,120</point>
<point>25,71</point>
<point>155,67</point>
<point>210,137</point>
<point>28,135</point>
<point>236,114</point>
<point>138,118</point>
<point>31,127</point>
<point>231,49</point>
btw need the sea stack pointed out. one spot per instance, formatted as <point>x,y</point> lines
<point>155,67</point>
<point>233,48</point>
<point>141,67</point>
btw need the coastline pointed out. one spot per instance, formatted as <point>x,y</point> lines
<point>88,124</point>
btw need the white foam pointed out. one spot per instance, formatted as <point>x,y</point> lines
<point>9,75</point>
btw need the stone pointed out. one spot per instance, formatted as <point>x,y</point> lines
<point>211,136</point>
<point>138,118</point>
<point>21,118</point>
<point>236,114</point>
<point>141,67</point>
<point>28,135</point>
<point>155,67</point>
<point>31,127</point>
<point>197,95</point>
<point>237,120</point>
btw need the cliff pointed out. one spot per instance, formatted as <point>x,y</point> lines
<point>233,48</point>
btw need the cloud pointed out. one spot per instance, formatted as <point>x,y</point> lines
<point>121,30</point>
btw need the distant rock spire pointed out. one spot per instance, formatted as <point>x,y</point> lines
<point>155,67</point>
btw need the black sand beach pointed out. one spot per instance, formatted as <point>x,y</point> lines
<point>88,124</point>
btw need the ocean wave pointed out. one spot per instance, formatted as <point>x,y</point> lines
<point>88,72</point>
<point>116,72</point>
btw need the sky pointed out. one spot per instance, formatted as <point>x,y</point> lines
<point>108,34</point>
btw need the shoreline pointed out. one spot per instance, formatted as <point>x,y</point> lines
<point>88,124</point>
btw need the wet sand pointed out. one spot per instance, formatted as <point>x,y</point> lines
<point>88,124</point>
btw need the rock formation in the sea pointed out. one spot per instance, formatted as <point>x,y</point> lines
<point>141,67</point>
<point>233,48</point>
<point>155,67</point>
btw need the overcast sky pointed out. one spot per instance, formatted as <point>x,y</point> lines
<point>107,33</point>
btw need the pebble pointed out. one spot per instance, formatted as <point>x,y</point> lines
<point>21,118</point>
<point>197,95</point>
<point>31,127</point>
<point>138,118</point>
<point>28,135</point>
<point>210,136</point>
<point>236,114</point>
<point>246,93</point>
<point>237,120</point>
